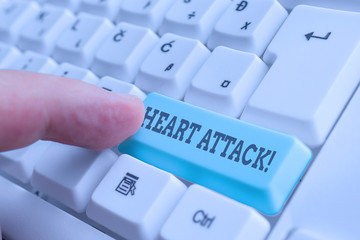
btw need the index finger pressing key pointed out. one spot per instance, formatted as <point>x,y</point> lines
<point>36,106</point>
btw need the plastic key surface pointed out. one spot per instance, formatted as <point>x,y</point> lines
<point>315,69</point>
<point>25,216</point>
<point>134,199</point>
<point>198,216</point>
<point>254,165</point>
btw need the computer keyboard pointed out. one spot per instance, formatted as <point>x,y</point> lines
<point>250,129</point>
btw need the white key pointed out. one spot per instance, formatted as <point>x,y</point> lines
<point>134,199</point>
<point>19,163</point>
<point>34,62</point>
<point>105,8</point>
<point>302,234</point>
<point>8,55</point>
<point>71,71</point>
<point>14,14</point>
<point>26,216</point>
<point>123,51</point>
<point>204,214</point>
<point>69,4</point>
<point>171,65</point>
<point>118,86</point>
<point>78,43</point>
<point>348,5</point>
<point>327,199</point>
<point>193,19</point>
<point>248,25</point>
<point>41,32</point>
<point>148,13</point>
<point>226,81</point>
<point>70,174</point>
<point>311,78</point>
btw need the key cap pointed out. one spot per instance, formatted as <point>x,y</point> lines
<point>78,43</point>
<point>147,13</point>
<point>330,190</point>
<point>8,55</point>
<point>25,216</point>
<point>256,166</point>
<point>311,78</point>
<point>248,25</point>
<point>69,4</point>
<point>41,32</point>
<point>14,14</point>
<point>194,19</point>
<point>19,163</point>
<point>134,199</point>
<point>115,85</point>
<point>34,62</point>
<point>171,65</point>
<point>108,8</point>
<point>123,51</point>
<point>71,71</point>
<point>301,234</point>
<point>226,81</point>
<point>204,214</point>
<point>348,5</point>
<point>70,174</point>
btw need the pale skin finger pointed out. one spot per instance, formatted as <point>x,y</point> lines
<point>37,106</point>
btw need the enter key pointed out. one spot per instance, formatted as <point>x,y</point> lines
<point>251,164</point>
<point>315,69</point>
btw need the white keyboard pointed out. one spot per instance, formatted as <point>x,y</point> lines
<point>196,169</point>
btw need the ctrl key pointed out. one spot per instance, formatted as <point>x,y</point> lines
<point>134,199</point>
<point>199,216</point>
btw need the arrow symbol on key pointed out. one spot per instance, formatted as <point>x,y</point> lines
<point>311,35</point>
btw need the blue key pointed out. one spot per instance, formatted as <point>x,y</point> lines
<point>254,165</point>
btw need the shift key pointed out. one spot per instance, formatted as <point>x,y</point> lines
<point>251,164</point>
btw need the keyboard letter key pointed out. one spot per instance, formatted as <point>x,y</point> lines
<point>254,165</point>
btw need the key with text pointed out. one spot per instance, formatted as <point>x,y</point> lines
<point>251,164</point>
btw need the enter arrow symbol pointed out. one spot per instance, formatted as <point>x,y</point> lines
<point>311,35</point>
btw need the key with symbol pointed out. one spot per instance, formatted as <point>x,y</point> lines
<point>41,32</point>
<point>71,71</point>
<point>248,25</point>
<point>193,19</point>
<point>34,62</point>
<point>198,216</point>
<point>225,82</point>
<point>79,42</point>
<point>14,14</point>
<point>136,196</point>
<point>123,51</point>
<point>118,86</point>
<point>147,13</point>
<point>315,69</point>
<point>171,65</point>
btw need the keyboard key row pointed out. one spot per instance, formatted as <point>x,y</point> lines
<point>238,25</point>
<point>146,202</point>
<point>177,66</point>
